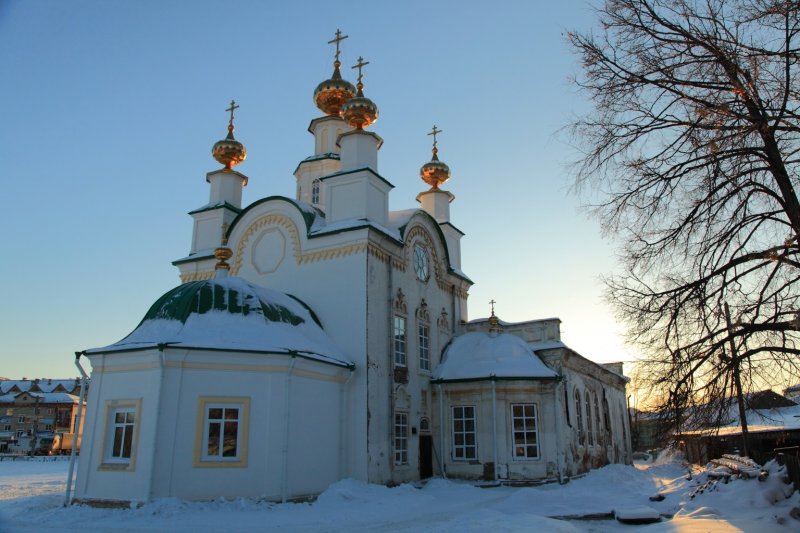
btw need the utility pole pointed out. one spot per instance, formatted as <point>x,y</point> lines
<point>737,380</point>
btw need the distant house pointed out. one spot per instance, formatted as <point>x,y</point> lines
<point>773,422</point>
<point>37,414</point>
<point>793,393</point>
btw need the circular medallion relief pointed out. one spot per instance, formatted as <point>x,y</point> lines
<point>268,251</point>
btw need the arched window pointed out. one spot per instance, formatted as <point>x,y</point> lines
<point>579,419</point>
<point>589,419</point>
<point>424,425</point>
<point>597,424</point>
<point>315,186</point>
<point>624,432</point>
<point>424,336</point>
<point>606,417</point>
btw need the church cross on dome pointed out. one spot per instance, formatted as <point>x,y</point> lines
<point>231,109</point>
<point>339,38</point>
<point>492,302</point>
<point>435,131</point>
<point>361,64</point>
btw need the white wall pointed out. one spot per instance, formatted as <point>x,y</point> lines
<point>168,429</point>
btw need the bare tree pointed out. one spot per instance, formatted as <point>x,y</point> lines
<point>692,148</point>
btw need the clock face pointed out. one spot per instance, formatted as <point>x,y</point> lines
<point>421,266</point>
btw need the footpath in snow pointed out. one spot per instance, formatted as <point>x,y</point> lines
<point>31,494</point>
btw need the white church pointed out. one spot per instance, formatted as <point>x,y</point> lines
<point>324,337</point>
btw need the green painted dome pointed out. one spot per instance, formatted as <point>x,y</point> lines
<point>224,294</point>
<point>231,314</point>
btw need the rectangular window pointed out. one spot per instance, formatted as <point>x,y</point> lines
<point>222,428</point>
<point>423,334</point>
<point>20,433</point>
<point>48,427</point>
<point>123,422</point>
<point>221,432</point>
<point>399,341</point>
<point>7,427</point>
<point>401,438</point>
<point>120,435</point>
<point>524,433</point>
<point>21,419</point>
<point>315,186</point>
<point>464,446</point>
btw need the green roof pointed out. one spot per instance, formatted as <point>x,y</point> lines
<point>210,295</point>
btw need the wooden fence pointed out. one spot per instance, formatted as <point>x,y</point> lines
<point>788,457</point>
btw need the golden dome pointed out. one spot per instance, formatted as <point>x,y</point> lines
<point>359,112</point>
<point>229,151</point>
<point>434,172</point>
<point>330,95</point>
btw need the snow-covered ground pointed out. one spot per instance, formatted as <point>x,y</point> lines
<point>31,494</point>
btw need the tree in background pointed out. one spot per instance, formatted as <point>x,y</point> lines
<point>692,148</point>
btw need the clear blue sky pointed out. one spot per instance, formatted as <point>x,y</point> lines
<point>110,110</point>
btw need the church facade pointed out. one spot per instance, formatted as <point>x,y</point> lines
<point>324,336</point>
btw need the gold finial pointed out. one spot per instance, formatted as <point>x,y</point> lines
<point>435,172</point>
<point>330,95</point>
<point>222,252</point>
<point>339,38</point>
<point>494,322</point>
<point>229,151</point>
<point>359,112</point>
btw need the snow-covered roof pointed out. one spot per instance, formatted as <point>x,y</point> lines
<point>546,345</point>
<point>45,385</point>
<point>44,397</point>
<point>758,421</point>
<point>478,356</point>
<point>229,313</point>
<point>398,219</point>
<point>505,323</point>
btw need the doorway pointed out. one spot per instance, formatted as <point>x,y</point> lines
<point>425,456</point>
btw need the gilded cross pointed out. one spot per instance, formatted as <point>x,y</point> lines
<point>361,63</point>
<point>232,108</point>
<point>435,132</point>
<point>491,302</point>
<point>339,38</point>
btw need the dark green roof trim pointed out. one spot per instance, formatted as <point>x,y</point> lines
<point>192,259</point>
<point>317,157</point>
<point>496,378</point>
<point>452,226</point>
<point>436,225</point>
<point>223,205</point>
<point>368,169</point>
<point>309,220</point>
<point>289,353</point>
<point>307,216</point>
<point>366,224</point>
<point>311,312</point>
